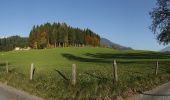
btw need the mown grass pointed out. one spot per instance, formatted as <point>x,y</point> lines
<point>94,72</point>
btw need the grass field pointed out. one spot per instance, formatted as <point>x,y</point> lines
<point>94,72</point>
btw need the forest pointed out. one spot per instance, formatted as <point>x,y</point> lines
<point>9,43</point>
<point>61,35</point>
<point>51,36</point>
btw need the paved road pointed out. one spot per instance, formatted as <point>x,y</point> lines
<point>160,93</point>
<point>9,93</point>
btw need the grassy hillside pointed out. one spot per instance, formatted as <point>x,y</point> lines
<point>94,72</point>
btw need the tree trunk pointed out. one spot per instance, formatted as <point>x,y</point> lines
<point>59,45</point>
<point>55,43</point>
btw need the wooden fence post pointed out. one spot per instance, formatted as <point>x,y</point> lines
<point>156,68</point>
<point>115,76</point>
<point>31,71</point>
<point>7,66</point>
<point>73,74</point>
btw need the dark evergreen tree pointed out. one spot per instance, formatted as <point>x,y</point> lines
<point>9,43</point>
<point>61,35</point>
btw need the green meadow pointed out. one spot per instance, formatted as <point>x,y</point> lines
<point>53,70</point>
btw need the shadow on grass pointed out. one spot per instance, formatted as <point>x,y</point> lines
<point>62,75</point>
<point>2,64</point>
<point>108,57</point>
<point>82,59</point>
<point>145,55</point>
<point>10,68</point>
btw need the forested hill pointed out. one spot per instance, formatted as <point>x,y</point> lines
<point>61,35</point>
<point>166,49</point>
<point>9,43</point>
<point>50,36</point>
<point>107,43</point>
<point>55,35</point>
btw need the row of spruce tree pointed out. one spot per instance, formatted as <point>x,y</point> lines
<point>61,35</point>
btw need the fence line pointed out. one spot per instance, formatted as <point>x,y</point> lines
<point>31,71</point>
<point>74,74</point>
<point>73,79</point>
<point>115,76</point>
<point>7,66</point>
<point>156,69</point>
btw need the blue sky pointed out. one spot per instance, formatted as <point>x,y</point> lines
<point>124,22</point>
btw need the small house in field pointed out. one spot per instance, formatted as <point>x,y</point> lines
<point>20,49</point>
<point>17,48</point>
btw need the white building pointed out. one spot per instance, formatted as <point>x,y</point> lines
<point>17,48</point>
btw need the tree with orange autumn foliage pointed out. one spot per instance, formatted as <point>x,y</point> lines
<point>61,35</point>
<point>43,40</point>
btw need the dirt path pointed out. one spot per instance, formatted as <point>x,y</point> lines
<point>160,93</point>
<point>10,93</point>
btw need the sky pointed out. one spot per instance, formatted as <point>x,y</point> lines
<point>125,22</point>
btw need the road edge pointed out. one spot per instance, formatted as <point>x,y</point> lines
<point>18,93</point>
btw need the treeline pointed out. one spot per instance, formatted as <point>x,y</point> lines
<point>61,35</point>
<point>51,35</point>
<point>9,43</point>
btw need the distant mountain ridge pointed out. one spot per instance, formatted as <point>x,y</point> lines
<point>166,49</point>
<point>108,43</point>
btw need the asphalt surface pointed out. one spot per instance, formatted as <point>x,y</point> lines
<point>160,93</point>
<point>10,93</point>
